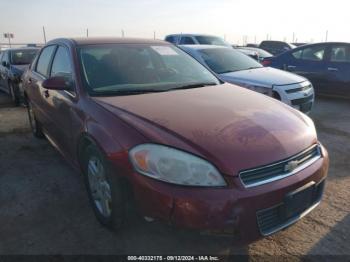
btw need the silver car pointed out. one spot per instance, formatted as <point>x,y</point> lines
<point>234,67</point>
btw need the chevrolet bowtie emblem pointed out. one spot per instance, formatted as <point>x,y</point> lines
<point>291,166</point>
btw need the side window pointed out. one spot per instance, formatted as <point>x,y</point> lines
<point>186,40</point>
<point>170,39</point>
<point>42,66</point>
<point>314,53</point>
<point>61,65</point>
<point>340,54</point>
<point>297,54</point>
<point>5,57</point>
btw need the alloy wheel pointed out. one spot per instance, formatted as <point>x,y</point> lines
<point>99,186</point>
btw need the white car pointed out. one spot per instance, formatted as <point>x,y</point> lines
<point>234,67</point>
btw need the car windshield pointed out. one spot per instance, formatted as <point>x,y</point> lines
<point>23,57</point>
<point>211,40</point>
<point>225,60</point>
<point>117,68</point>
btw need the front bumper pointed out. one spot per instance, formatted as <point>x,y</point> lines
<point>300,96</point>
<point>232,210</point>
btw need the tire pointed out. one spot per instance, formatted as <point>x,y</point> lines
<point>105,190</point>
<point>14,92</point>
<point>35,126</point>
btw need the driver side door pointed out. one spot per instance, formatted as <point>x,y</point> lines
<point>310,62</point>
<point>61,104</point>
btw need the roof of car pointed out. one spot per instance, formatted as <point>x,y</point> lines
<point>322,43</point>
<point>181,34</point>
<point>108,40</point>
<point>200,47</point>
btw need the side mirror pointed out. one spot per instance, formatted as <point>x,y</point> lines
<point>57,83</point>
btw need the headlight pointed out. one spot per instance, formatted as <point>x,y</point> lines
<point>174,166</point>
<point>260,89</point>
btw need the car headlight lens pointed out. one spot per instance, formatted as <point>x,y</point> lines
<point>260,89</point>
<point>174,166</point>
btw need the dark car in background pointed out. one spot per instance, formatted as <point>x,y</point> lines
<point>250,53</point>
<point>195,39</point>
<point>326,65</point>
<point>13,62</point>
<point>260,53</point>
<point>142,116</point>
<point>275,47</point>
<point>297,44</point>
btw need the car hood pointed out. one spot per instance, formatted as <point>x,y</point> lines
<point>264,76</point>
<point>232,127</point>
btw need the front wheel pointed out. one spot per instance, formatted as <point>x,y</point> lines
<point>104,188</point>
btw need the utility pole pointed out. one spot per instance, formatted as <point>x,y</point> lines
<point>293,37</point>
<point>44,34</point>
<point>9,38</point>
<point>326,36</point>
<point>122,33</point>
<point>87,32</point>
<point>154,35</point>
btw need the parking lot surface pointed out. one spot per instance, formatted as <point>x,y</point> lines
<point>44,207</point>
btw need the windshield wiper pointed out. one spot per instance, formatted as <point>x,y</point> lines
<point>227,71</point>
<point>190,86</point>
<point>127,92</point>
<point>253,67</point>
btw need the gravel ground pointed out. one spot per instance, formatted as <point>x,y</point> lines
<point>44,207</point>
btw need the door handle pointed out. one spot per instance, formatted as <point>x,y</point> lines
<point>332,69</point>
<point>291,67</point>
<point>46,93</point>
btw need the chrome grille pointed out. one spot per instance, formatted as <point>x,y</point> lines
<point>266,174</point>
<point>298,89</point>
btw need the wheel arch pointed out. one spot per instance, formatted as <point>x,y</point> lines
<point>87,139</point>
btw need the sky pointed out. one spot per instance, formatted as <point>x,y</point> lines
<point>237,21</point>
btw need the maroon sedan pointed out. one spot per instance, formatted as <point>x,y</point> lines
<point>143,115</point>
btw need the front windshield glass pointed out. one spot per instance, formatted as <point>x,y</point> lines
<point>225,60</point>
<point>211,40</point>
<point>23,57</point>
<point>111,69</point>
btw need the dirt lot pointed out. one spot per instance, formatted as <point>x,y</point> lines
<point>44,207</point>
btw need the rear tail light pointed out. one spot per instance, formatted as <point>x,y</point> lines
<point>266,62</point>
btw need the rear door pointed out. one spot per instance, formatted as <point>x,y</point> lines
<point>310,62</point>
<point>338,67</point>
